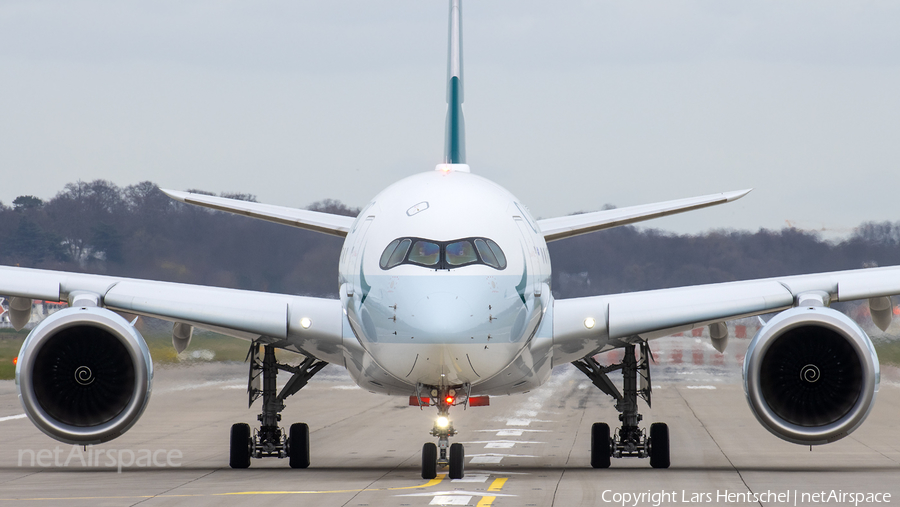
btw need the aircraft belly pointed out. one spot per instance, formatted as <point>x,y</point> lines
<point>444,364</point>
<point>529,370</point>
<point>369,375</point>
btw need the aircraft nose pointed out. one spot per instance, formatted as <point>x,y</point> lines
<point>443,315</point>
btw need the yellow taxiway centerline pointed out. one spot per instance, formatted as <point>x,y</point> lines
<point>497,485</point>
<point>433,482</point>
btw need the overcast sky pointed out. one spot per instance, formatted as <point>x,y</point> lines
<point>569,105</point>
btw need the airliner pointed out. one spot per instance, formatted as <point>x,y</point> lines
<point>445,298</point>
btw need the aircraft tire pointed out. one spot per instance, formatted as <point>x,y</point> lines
<point>298,445</point>
<point>600,448</point>
<point>457,461</point>
<point>429,461</point>
<point>240,446</point>
<point>659,445</point>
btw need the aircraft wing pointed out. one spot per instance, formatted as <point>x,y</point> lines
<point>275,318</point>
<point>619,318</point>
<point>336,225</point>
<point>574,225</point>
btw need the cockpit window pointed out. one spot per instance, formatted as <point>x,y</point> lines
<point>485,251</point>
<point>443,255</point>
<point>400,253</point>
<point>425,253</point>
<point>395,253</point>
<point>386,256</point>
<point>491,253</point>
<point>501,259</point>
<point>460,252</point>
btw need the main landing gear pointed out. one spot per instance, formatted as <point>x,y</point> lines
<point>437,455</point>
<point>270,440</point>
<point>629,440</point>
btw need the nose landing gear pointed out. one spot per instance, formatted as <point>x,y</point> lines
<point>443,454</point>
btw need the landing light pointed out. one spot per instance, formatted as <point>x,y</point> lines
<point>589,323</point>
<point>442,422</point>
<point>305,323</point>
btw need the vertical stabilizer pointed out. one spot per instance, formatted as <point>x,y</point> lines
<point>455,143</point>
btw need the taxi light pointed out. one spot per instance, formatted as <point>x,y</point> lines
<point>442,422</point>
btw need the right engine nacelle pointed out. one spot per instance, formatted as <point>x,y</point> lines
<point>810,375</point>
<point>84,375</point>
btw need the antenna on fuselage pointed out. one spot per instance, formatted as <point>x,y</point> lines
<point>455,142</point>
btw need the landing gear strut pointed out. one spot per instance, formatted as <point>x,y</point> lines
<point>270,440</point>
<point>629,439</point>
<point>443,454</point>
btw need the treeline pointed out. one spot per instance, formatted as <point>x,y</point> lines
<point>138,231</point>
<point>627,259</point>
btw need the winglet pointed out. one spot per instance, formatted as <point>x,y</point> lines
<point>733,196</point>
<point>455,142</point>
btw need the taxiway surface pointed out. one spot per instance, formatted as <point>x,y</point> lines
<point>524,450</point>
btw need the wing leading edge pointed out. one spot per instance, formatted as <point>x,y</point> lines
<point>656,313</point>
<point>336,225</point>
<point>574,225</point>
<point>308,325</point>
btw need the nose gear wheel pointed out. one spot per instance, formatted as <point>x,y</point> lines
<point>443,454</point>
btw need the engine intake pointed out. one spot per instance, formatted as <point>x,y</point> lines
<point>84,375</point>
<point>810,375</point>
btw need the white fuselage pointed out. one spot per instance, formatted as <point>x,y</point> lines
<point>473,325</point>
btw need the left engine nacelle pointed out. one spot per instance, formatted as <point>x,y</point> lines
<point>810,375</point>
<point>84,375</point>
